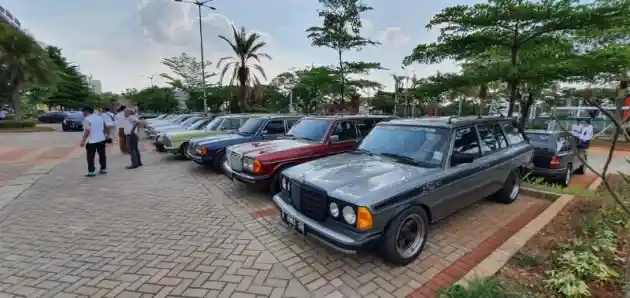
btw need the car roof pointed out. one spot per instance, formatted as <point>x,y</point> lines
<point>447,122</point>
<point>351,116</point>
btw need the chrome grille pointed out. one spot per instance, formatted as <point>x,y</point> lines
<point>312,202</point>
<point>236,161</point>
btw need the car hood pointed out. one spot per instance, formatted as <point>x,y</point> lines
<point>254,149</point>
<point>170,128</point>
<point>361,179</point>
<point>215,139</point>
<point>192,134</point>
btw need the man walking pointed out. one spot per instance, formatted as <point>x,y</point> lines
<point>120,127</point>
<point>586,134</point>
<point>131,132</point>
<point>94,140</point>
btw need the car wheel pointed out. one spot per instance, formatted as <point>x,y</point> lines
<point>65,129</point>
<point>405,237</point>
<point>160,148</point>
<point>566,178</point>
<point>182,150</point>
<point>509,192</point>
<point>217,162</point>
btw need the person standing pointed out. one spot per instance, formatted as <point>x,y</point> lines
<point>3,113</point>
<point>110,121</point>
<point>131,132</point>
<point>94,140</point>
<point>586,134</point>
<point>120,126</point>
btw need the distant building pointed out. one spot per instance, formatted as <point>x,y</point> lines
<point>7,17</point>
<point>95,85</point>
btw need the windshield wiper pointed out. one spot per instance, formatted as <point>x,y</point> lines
<point>363,151</point>
<point>408,160</point>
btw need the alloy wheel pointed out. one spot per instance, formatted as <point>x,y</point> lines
<point>410,236</point>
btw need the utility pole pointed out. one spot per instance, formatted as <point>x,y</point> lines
<point>199,4</point>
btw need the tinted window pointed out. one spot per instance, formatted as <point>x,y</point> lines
<point>310,129</point>
<point>498,134</point>
<point>251,126</point>
<point>231,124</point>
<point>514,136</point>
<point>489,142</point>
<point>539,138</point>
<point>291,122</point>
<point>275,127</point>
<point>365,125</point>
<point>345,130</point>
<point>425,145</point>
<point>75,116</point>
<point>190,121</point>
<point>466,142</point>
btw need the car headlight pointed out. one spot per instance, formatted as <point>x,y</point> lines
<point>334,209</point>
<point>349,215</point>
<point>285,183</point>
<point>248,164</point>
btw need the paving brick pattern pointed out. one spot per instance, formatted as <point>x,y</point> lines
<point>174,229</point>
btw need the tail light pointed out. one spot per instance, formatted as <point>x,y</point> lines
<point>555,162</point>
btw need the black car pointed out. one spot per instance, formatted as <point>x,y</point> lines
<point>53,117</point>
<point>554,157</point>
<point>74,122</point>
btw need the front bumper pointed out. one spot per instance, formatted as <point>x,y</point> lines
<point>328,232</point>
<point>244,177</point>
<point>197,158</point>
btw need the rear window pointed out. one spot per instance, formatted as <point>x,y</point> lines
<point>539,137</point>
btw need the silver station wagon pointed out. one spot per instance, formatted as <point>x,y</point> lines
<point>403,176</point>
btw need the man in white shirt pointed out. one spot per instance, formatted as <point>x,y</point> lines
<point>94,140</point>
<point>120,124</point>
<point>131,132</point>
<point>586,134</point>
<point>3,113</point>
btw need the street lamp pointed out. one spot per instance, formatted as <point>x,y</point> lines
<point>199,4</point>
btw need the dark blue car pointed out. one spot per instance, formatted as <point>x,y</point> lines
<point>211,150</point>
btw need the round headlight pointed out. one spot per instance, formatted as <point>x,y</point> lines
<point>334,209</point>
<point>349,215</point>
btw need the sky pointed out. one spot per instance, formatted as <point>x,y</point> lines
<point>121,42</point>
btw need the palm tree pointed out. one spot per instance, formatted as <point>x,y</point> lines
<point>246,47</point>
<point>24,63</point>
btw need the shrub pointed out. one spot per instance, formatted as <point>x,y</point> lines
<point>17,123</point>
<point>480,288</point>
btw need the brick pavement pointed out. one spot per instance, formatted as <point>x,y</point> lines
<point>174,229</point>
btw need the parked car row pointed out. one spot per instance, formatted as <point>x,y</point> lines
<point>363,182</point>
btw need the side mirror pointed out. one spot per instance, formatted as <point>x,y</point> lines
<point>334,138</point>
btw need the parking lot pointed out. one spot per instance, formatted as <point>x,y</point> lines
<point>172,228</point>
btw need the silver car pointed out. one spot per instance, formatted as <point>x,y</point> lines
<point>403,176</point>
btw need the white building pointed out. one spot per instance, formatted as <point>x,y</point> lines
<point>8,18</point>
<point>95,85</point>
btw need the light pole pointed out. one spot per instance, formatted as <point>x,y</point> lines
<point>199,4</point>
<point>151,80</point>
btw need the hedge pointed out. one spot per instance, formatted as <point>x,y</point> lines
<point>17,123</point>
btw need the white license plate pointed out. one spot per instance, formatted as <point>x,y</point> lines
<point>294,223</point>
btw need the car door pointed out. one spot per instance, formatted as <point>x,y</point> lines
<point>273,129</point>
<point>343,136</point>
<point>461,181</point>
<point>490,164</point>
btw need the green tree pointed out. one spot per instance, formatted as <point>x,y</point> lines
<point>156,99</point>
<point>510,26</point>
<point>340,31</point>
<point>186,72</point>
<point>72,90</point>
<point>247,49</point>
<point>24,64</point>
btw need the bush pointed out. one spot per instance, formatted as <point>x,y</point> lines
<point>480,288</point>
<point>17,123</point>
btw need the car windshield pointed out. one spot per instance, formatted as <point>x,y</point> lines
<point>182,119</point>
<point>251,126</point>
<point>75,116</point>
<point>418,145</point>
<point>214,124</point>
<point>539,138</point>
<point>310,129</point>
<point>190,121</point>
<point>198,124</point>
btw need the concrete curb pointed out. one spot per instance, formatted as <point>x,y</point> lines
<point>497,259</point>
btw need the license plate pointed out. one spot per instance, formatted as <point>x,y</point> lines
<point>294,223</point>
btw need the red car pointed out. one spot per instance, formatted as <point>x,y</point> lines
<point>260,163</point>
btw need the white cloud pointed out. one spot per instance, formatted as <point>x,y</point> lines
<point>393,36</point>
<point>168,29</point>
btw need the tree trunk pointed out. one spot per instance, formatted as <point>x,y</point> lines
<point>343,80</point>
<point>17,101</point>
<point>525,109</point>
<point>622,93</point>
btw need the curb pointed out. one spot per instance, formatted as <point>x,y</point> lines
<point>498,258</point>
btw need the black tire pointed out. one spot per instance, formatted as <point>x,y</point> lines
<point>182,150</point>
<point>582,169</point>
<point>389,245</point>
<point>65,129</point>
<point>510,190</point>
<point>217,162</point>
<point>565,179</point>
<point>160,148</point>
